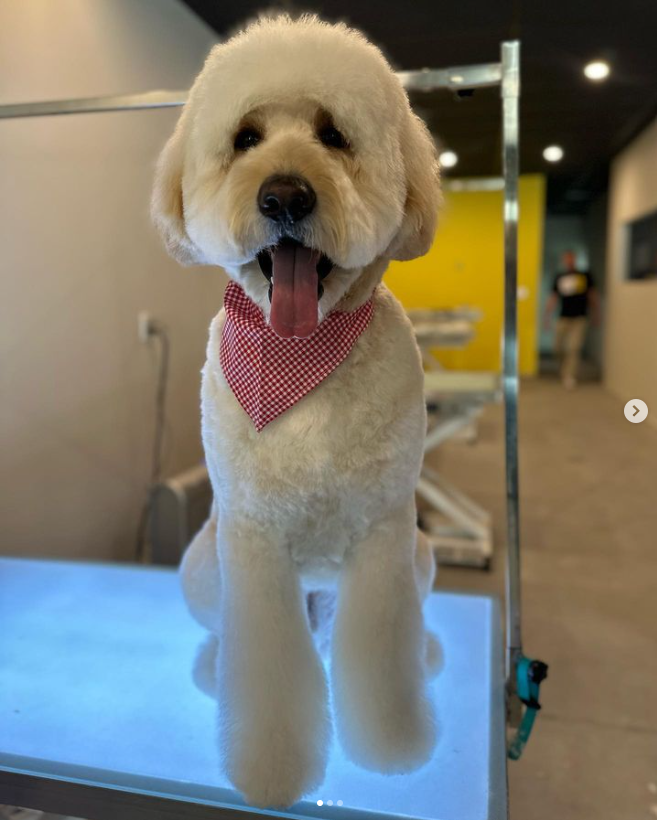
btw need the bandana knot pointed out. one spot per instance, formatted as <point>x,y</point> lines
<point>269,374</point>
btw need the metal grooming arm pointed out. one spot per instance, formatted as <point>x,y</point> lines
<point>510,140</point>
<point>523,675</point>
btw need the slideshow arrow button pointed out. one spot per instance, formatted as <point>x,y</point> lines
<point>636,411</point>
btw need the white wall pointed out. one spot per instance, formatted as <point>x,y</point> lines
<point>631,323</point>
<point>79,259</point>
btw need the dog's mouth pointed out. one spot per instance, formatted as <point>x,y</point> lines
<point>295,274</point>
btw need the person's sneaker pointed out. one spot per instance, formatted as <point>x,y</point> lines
<point>569,383</point>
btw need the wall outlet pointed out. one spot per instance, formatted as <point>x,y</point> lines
<point>146,326</point>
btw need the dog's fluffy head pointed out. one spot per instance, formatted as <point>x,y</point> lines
<point>298,98</point>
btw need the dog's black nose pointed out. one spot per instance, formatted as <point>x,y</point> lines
<point>286,198</point>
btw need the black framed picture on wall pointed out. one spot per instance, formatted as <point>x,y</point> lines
<point>641,261</point>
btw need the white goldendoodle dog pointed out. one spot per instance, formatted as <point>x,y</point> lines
<point>298,167</point>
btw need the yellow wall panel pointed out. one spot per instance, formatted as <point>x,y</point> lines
<point>465,268</point>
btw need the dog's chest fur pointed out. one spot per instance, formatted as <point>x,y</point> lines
<point>323,472</point>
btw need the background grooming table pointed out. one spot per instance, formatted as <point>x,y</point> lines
<point>459,530</point>
<point>442,328</point>
<point>99,716</point>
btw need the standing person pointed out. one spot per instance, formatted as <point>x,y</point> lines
<point>576,292</point>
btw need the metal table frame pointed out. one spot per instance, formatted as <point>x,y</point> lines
<point>506,75</point>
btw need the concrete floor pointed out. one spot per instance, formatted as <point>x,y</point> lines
<point>589,529</point>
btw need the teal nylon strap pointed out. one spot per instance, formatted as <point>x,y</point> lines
<point>529,676</point>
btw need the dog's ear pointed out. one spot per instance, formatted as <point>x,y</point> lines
<point>167,208</point>
<point>421,167</point>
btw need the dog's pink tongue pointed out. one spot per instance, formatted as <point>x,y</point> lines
<point>294,293</point>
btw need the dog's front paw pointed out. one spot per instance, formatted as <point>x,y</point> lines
<point>396,741</point>
<point>274,769</point>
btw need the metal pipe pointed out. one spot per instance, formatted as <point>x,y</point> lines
<point>459,78</point>
<point>94,105</point>
<point>510,136</point>
<point>428,79</point>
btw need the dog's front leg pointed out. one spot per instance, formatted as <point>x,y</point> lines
<point>384,716</point>
<point>273,699</point>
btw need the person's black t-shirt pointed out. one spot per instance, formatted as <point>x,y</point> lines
<point>573,287</point>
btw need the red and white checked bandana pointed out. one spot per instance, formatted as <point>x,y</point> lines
<point>269,374</point>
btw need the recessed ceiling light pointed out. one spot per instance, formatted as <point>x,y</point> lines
<point>553,153</point>
<point>597,70</point>
<point>448,159</point>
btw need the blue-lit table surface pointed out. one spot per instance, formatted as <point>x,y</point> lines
<point>99,716</point>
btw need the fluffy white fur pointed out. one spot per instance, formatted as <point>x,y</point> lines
<point>324,495</point>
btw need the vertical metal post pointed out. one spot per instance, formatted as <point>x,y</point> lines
<point>510,133</point>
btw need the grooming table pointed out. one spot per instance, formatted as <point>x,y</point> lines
<point>99,717</point>
<point>447,328</point>
<point>446,333</point>
<point>451,329</point>
<point>459,530</point>
<point>459,396</point>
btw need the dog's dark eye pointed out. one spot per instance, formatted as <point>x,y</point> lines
<point>330,136</point>
<point>247,138</point>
